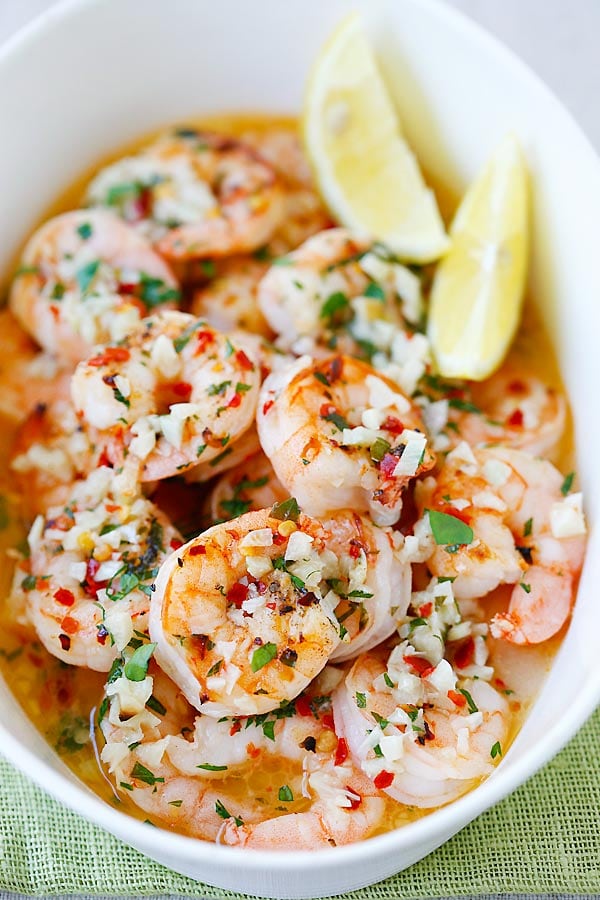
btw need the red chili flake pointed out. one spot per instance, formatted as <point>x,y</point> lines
<point>383,780</point>
<point>393,425</point>
<point>457,513</point>
<point>341,752</point>
<point>235,401</point>
<point>65,641</point>
<point>64,597</point>
<point>126,287</point>
<point>465,653</point>
<point>328,409</point>
<point>182,389</point>
<point>333,369</point>
<point>388,464</point>
<point>111,507</point>
<point>175,544</point>
<point>237,726</point>
<point>41,584</point>
<point>55,311</point>
<point>62,523</point>
<point>354,798</point>
<point>110,355</point>
<point>279,538</point>
<point>425,610</point>
<point>104,459</point>
<point>252,750</point>
<point>203,340</point>
<point>517,387</point>
<point>516,419</point>
<point>271,605</point>
<point>197,550</point>
<point>326,721</point>
<point>69,625</point>
<point>237,594</point>
<point>243,361</point>
<point>91,585</point>
<point>102,637</point>
<point>499,683</point>
<point>267,406</point>
<point>457,699</point>
<point>421,666</point>
<point>35,660</point>
<point>355,548</point>
<point>303,707</point>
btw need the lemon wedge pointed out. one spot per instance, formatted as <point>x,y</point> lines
<point>365,170</point>
<point>477,291</point>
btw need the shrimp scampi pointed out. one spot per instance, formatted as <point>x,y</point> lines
<point>525,528</point>
<point>421,731</point>
<point>194,194</point>
<point>183,769</point>
<point>174,394</point>
<point>86,583</point>
<point>87,278</point>
<point>341,436</point>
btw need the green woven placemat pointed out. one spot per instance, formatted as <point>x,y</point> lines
<point>545,838</point>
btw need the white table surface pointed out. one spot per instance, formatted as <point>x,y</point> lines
<point>557,38</point>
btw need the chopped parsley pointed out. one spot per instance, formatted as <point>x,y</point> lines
<point>136,668</point>
<point>84,231</point>
<point>472,706</point>
<point>141,773</point>
<point>567,484</point>
<point>154,291</point>
<point>286,510</point>
<point>335,308</point>
<point>225,814</point>
<point>496,750</point>
<point>262,656</point>
<point>449,530</point>
<point>285,794</point>
<point>86,274</point>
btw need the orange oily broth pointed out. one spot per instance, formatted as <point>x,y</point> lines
<point>59,699</point>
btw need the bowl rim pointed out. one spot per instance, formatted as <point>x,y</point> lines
<point>73,793</point>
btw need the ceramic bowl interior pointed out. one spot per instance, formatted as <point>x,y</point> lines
<point>94,74</point>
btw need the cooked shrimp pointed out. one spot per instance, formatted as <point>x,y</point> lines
<point>50,453</point>
<point>513,408</point>
<point>304,213</point>
<point>339,290</point>
<point>422,741</point>
<point>374,581</point>
<point>194,194</point>
<point>423,731</point>
<point>184,769</point>
<point>250,486</point>
<point>524,531</point>
<point>239,617</point>
<point>172,395</point>
<point>229,301</point>
<point>27,376</point>
<point>87,278</point>
<point>344,808</point>
<point>88,575</point>
<point>340,436</point>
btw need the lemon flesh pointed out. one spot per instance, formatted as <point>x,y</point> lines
<point>477,291</point>
<point>365,170</point>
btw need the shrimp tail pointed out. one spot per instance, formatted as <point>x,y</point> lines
<point>539,606</point>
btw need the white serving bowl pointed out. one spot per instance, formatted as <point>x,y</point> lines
<point>93,74</point>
